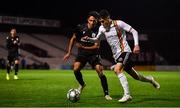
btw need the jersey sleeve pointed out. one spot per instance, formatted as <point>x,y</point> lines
<point>128,28</point>
<point>124,25</point>
<point>18,40</point>
<point>8,43</point>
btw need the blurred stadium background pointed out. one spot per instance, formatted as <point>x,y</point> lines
<point>45,28</point>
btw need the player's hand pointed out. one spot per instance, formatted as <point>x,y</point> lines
<point>136,49</point>
<point>66,57</point>
<point>85,38</point>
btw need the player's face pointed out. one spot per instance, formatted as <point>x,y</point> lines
<point>13,32</point>
<point>92,21</point>
<point>105,22</point>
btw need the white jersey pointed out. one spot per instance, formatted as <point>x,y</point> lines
<point>118,43</point>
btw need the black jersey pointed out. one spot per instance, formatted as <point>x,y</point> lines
<point>81,31</point>
<point>12,44</point>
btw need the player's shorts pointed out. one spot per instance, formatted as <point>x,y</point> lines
<point>12,57</point>
<point>93,60</point>
<point>126,59</point>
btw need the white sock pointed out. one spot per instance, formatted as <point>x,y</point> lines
<point>124,83</point>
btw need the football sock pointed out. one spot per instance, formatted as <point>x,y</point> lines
<point>16,69</point>
<point>79,78</point>
<point>8,69</point>
<point>124,83</point>
<point>104,84</point>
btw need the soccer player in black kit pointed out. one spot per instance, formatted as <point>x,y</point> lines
<point>12,44</point>
<point>87,52</point>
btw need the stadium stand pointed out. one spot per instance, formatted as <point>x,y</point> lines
<point>54,45</point>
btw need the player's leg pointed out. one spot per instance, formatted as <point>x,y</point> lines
<point>94,60</point>
<point>8,67</point>
<point>123,80</point>
<point>103,79</point>
<point>77,66</point>
<point>131,71</point>
<point>128,67</point>
<point>16,68</point>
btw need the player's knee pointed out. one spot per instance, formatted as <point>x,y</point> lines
<point>76,68</point>
<point>99,68</point>
<point>118,70</point>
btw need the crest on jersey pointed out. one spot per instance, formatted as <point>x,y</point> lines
<point>93,35</point>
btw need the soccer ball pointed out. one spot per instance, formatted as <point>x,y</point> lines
<point>73,95</point>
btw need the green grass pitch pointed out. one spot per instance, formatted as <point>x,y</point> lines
<point>48,88</point>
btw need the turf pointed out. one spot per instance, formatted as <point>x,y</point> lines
<point>48,88</point>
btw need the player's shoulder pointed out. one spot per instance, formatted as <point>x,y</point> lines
<point>80,27</point>
<point>102,29</point>
<point>118,21</point>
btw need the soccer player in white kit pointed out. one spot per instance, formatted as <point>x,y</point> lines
<point>115,34</point>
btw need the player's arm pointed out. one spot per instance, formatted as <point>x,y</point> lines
<point>70,46</point>
<point>18,41</point>
<point>131,30</point>
<point>95,39</point>
<point>9,44</point>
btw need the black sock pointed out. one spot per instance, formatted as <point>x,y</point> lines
<point>79,78</point>
<point>16,69</point>
<point>8,69</point>
<point>104,84</point>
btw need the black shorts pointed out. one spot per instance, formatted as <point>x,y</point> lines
<point>126,59</point>
<point>12,57</point>
<point>93,60</point>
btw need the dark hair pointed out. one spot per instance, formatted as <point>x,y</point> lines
<point>94,14</point>
<point>104,14</point>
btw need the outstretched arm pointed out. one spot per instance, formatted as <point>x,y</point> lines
<point>95,39</point>
<point>70,46</point>
<point>128,28</point>
<point>136,49</point>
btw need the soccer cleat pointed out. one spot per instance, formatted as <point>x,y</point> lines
<point>155,83</point>
<point>107,97</point>
<point>80,88</point>
<point>125,98</point>
<point>16,77</point>
<point>7,77</point>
